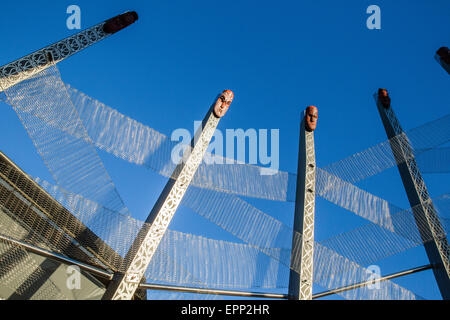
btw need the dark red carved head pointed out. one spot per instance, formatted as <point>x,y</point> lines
<point>311,115</point>
<point>223,103</point>
<point>119,22</point>
<point>383,97</point>
<point>444,54</point>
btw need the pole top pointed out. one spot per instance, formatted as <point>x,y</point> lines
<point>120,22</point>
<point>383,98</point>
<point>223,103</point>
<point>311,115</point>
<point>444,54</point>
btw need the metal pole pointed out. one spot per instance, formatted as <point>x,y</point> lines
<point>301,273</point>
<point>26,67</point>
<point>138,258</point>
<point>58,257</point>
<point>149,286</point>
<point>431,231</point>
<point>366,283</point>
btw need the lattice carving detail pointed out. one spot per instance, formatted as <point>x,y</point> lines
<point>307,253</point>
<point>426,208</point>
<point>28,66</point>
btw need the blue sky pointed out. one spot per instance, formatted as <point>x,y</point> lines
<point>277,57</point>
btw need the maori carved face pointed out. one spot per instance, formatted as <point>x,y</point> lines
<point>119,22</point>
<point>311,115</point>
<point>223,103</point>
<point>384,98</point>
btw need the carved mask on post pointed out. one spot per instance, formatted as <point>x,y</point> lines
<point>311,115</point>
<point>223,103</point>
<point>119,22</point>
<point>384,98</point>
